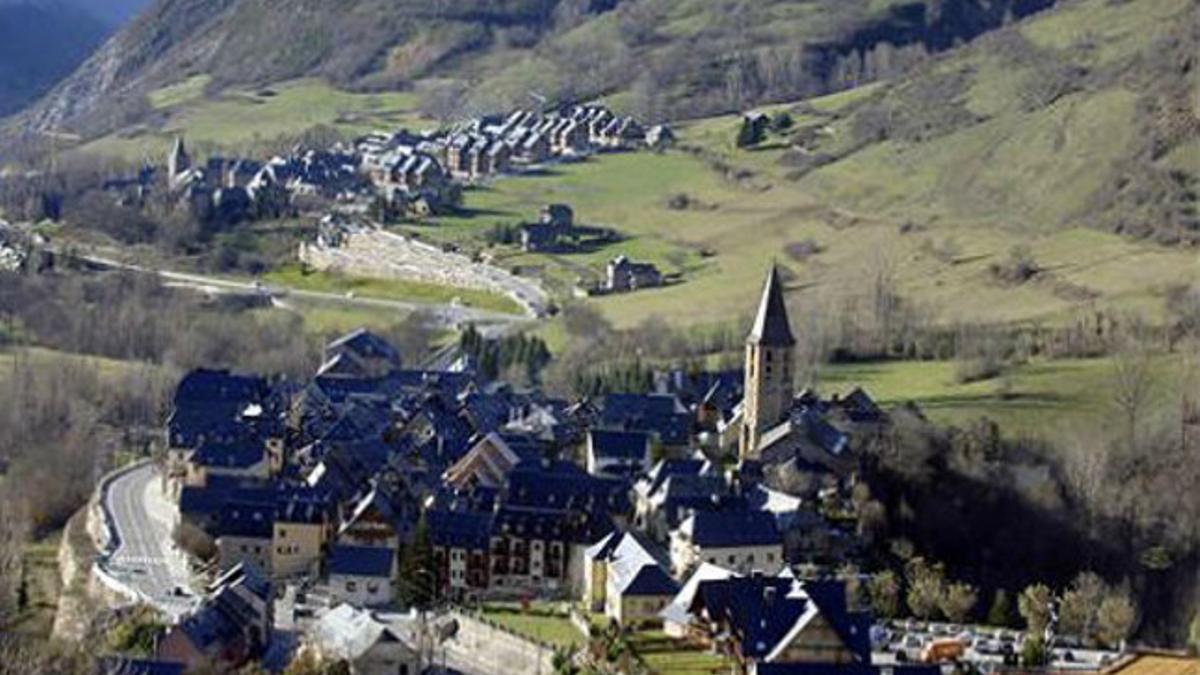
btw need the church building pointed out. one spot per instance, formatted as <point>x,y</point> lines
<point>770,367</point>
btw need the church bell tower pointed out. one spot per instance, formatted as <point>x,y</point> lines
<point>770,364</point>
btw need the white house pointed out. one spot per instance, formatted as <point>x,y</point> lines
<point>362,575</point>
<point>626,576</point>
<point>743,541</point>
<point>367,645</point>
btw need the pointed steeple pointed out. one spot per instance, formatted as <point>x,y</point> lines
<point>771,326</point>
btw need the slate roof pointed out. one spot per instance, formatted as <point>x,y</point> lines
<point>463,530</point>
<point>246,519</point>
<point>765,614</point>
<point>364,344</point>
<point>630,446</point>
<point>661,414</point>
<point>729,529</point>
<point>678,611</point>
<point>346,633</point>
<point>771,326</point>
<point>361,561</point>
<point>240,452</point>
<point>650,580</point>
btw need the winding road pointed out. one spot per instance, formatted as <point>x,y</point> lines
<point>142,555</point>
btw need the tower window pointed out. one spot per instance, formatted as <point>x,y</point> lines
<point>769,356</point>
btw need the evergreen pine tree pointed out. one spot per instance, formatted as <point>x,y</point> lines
<point>417,575</point>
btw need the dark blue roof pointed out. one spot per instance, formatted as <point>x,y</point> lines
<point>465,530</point>
<point>210,499</point>
<point>661,414</point>
<point>214,385</point>
<point>623,445</point>
<point>361,561</point>
<point>210,625</point>
<point>246,519</point>
<point>240,452</point>
<point>365,344</point>
<point>824,434</point>
<point>564,485</point>
<point>652,580</point>
<point>756,609</point>
<point>720,529</point>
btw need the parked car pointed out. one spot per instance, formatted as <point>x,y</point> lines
<point>940,651</point>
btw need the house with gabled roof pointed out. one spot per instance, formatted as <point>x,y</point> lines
<point>354,636</point>
<point>361,353</point>
<point>662,415</point>
<point>742,540</point>
<point>625,575</point>
<point>617,453</point>
<point>231,626</point>
<point>362,575</point>
<point>487,464</point>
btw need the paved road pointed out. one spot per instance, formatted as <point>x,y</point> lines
<point>450,315</point>
<point>145,558</point>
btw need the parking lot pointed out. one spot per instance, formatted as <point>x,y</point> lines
<point>905,641</point>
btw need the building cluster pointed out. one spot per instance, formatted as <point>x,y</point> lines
<point>229,190</point>
<point>496,144</point>
<point>619,501</point>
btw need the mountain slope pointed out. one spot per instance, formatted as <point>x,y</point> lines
<point>691,56</point>
<point>39,45</point>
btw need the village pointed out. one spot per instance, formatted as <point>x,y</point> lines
<point>356,188</point>
<point>373,514</point>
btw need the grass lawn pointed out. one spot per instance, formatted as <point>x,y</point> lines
<point>292,276</point>
<point>554,629</point>
<point>668,656</point>
<point>1041,398</point>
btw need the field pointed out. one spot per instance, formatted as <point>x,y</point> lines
<point>234,119</point>
<point>938,208</point>
<point>292,276</point>
<point>1046,398</point>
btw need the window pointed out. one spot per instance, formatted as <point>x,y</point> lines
<point>732,558</point>
<point>372,588</point>
<point>750,558</point>
<point>282,534</point>
<point>351,586</point>
<point>770,557</point>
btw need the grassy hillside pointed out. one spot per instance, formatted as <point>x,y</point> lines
<point>480,55</point>
<point>982,154</point>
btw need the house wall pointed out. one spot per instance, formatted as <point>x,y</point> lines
<point>233,550</point>
<point>387,658</point>
<point>595,583</point>
<point>685,555</point>
<point>361,591</point>
<point>296,548</point>
<point>638,609</point>
<point>817,643</point>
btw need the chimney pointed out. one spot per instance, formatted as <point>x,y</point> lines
<point>769,595</point>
